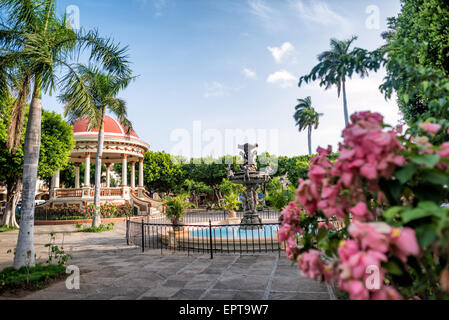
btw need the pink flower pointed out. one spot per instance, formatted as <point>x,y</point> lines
<point>361,211</point>
<point>386,293</point>
<point>404,243</point>
<point>357,290</point>
<point>347,249</point>
<point>373,236</point>
<point>431,128</point>
<point>326,225</point>
<point>310,264</point>
<point>369,171</point>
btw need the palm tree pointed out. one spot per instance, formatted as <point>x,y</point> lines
<point>35,44</point>
<point>307,118</point>
<point>336,65</point>
<point>103,89</point>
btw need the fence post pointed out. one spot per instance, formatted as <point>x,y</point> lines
<point>143,235</point>
<point>210,240</point>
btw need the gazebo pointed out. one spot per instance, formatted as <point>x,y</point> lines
<point>119,147</point>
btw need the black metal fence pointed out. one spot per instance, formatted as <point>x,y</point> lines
<point>205,238</point>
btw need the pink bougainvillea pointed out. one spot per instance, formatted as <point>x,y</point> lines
<point>345,189</point>
<point>290,227</point>
<point>430,128</point>
<point>367,154</point>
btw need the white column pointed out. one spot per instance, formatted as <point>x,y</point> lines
<point>87,171</point>
<point>77,176</point>
<point>108,175</point>
<point>141,172</point>
<point>133,175</point>
<point>124,170</point>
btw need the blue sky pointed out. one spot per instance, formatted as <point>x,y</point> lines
<point>235,65</point>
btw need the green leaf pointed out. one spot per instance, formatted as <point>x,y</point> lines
<point>392,213</point>
<point>430,160</point>
<point>426,235</point>
<point>415,214</point>
<point>406,98</point>
<point>406,173</point>
<point>322,232</point>
<point>393,268</point>
<point>424,209</point>
<point>435,177</point>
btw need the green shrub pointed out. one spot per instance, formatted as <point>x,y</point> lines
<point>29,278</point>
<point>7,228</point>
<point>100,228</point>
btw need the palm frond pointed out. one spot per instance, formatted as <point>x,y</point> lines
<point>18,114</point>
<point>77,95</point>
<point>118,108</point>
<point>110,55</point>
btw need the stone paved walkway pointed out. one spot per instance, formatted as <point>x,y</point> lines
<point>112,270</point>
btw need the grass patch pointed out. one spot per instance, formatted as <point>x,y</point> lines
<point>29,278</point>
<point>100,228</point>
<point>7,228</point>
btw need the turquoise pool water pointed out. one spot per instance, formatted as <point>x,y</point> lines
<point>236,233</point>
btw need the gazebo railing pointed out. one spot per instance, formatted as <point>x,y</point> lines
<point>69,193</point>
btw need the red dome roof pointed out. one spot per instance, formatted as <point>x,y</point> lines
<point>112,128</point>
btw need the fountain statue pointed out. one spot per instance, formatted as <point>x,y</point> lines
<point>251,179</point>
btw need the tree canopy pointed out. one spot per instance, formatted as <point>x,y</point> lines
<point>56,144</point>
<point>417,60</point>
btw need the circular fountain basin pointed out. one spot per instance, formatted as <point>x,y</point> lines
<point>235,232</point>
<point>224,238</point>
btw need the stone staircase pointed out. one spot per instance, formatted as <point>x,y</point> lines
<point>147,205</point>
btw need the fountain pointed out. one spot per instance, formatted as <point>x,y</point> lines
<point>251,179</point>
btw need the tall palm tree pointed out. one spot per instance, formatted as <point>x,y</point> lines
<point>336,66</point>
<point>103,89</point>
<point>35,43</point>
<point>307,118</point>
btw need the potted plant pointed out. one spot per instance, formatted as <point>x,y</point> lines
<point>230,203</point>
<point>176,209</point>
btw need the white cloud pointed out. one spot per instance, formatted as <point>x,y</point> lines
<point>158,5</point>
<point>260,9</point>
<point>215,89</point>
<point>250,74</point>
<point>319,12</point>
<point>282,52</point>
<point>284,78</point>
<point>270,18</point>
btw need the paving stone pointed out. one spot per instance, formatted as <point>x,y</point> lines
<point>112,270</point>
<point>219,295</point>
<point>298,296</point>
<point>296,284</point>
<point>159,293</point>
<point>187,294</point>
<point>248,295</point>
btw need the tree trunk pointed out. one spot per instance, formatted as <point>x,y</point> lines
<point>217,195</point>
<point>309,139</point>
<point>97,218</point>
<point>13,195</point>
<point>345,104</point>
<point>25,243</point>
